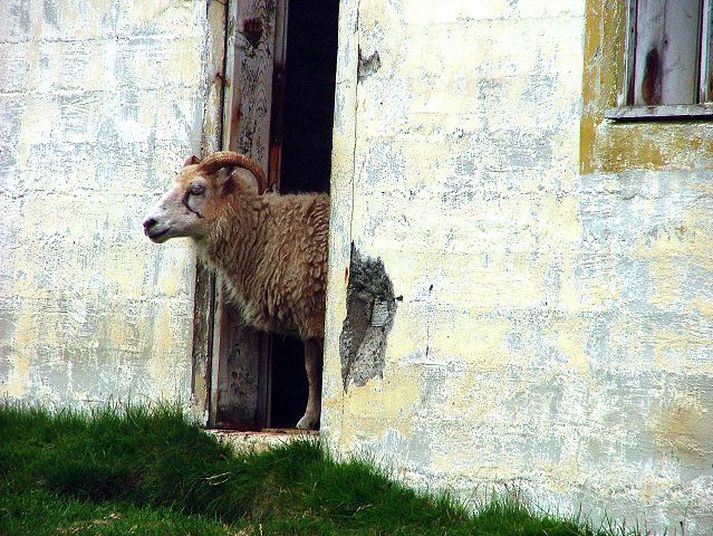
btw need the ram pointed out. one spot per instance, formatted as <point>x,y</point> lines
<point>270,249</point>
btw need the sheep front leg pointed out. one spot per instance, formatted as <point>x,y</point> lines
<point>313,366</point>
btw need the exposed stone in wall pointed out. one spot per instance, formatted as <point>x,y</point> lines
<point>370,314</point>
<point>368,65</point>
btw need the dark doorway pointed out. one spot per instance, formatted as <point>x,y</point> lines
<point>306,115</point>
<point>308,108</point>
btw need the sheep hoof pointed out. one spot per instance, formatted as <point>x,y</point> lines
<point>308,422</point>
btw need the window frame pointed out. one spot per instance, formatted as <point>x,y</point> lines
<point>702,110</point>
<point>609,147</point>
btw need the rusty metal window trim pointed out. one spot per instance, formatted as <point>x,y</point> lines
<point>700,110</point>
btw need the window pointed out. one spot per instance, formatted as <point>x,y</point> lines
<point>617,135</point>
<point>668,72</point>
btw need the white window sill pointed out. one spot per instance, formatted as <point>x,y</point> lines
<point>660,113</point>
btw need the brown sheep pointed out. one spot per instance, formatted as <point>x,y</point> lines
<point>271,249</point>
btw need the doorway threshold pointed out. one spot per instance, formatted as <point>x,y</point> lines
<point>262,440</point>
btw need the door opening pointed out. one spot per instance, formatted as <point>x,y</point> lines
<point>280,111</point>
<point>305,166</point>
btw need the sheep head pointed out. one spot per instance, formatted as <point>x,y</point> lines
<point>191,206</point>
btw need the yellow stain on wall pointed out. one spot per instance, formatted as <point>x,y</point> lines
<point>684,426</point>
<point>561,474</point>
<point>571,342</point>
<point>691,238</point>
<point>673,346</point>
<point>116,330</point>
<point>408,332</point>
<point>170,279</point>
<point>480,344</point>
<point>39,119</point>
<point>24,342</point>
<point>19,377</point>
<point>160,365</point>
<point>654,486</point>
<point>128,274</point>
<point>667,274</point>
<point>142,11</point>
<point>469,394</point>
<point>704,307</point>
<point>570,294</point>
<point>392,400</point>
<point>560,219</point>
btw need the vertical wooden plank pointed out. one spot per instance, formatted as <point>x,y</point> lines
<point>279,83</point>
<point>236,376</point>
<point>667,52</point>
<point>630,60</point>
<point>201,353</point>
<point>649,52</point>
<point>217,381</point>
<point>204,294</point>
<point>706,77</point>
<point>273,174</point>
<point>241,375</point>
<point>252,29</point>
<point>681,52</point>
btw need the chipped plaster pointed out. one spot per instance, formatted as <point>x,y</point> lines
<point>555,330</point>
<point>557,315</point>
<point>101,102</point>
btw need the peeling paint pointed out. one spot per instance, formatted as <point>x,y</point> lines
<point>99,107</point>
<point>683,426</point>
<point>555,331</point>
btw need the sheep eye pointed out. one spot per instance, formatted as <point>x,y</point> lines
<point>196,189</point>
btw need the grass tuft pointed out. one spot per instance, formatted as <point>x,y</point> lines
<point>131,470</point>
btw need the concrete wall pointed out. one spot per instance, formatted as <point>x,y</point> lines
<point>550,322</point>
<point>100,101</point>
<point>529,309</point>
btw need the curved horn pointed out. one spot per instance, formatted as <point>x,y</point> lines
<point>220,159</point>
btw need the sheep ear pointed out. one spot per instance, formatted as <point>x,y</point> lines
<point>191,161</point>
<point>227,178</point>
<point>243,175</point>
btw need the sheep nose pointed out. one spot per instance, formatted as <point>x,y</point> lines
<point>148,223</point>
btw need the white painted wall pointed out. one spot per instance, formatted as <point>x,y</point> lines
<point>100,103</point>
<point>555,334</point>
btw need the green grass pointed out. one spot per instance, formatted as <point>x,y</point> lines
<point>135,471</point>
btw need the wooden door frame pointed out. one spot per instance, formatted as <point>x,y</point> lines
<point>205,282</point>
<point>248,35</point>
